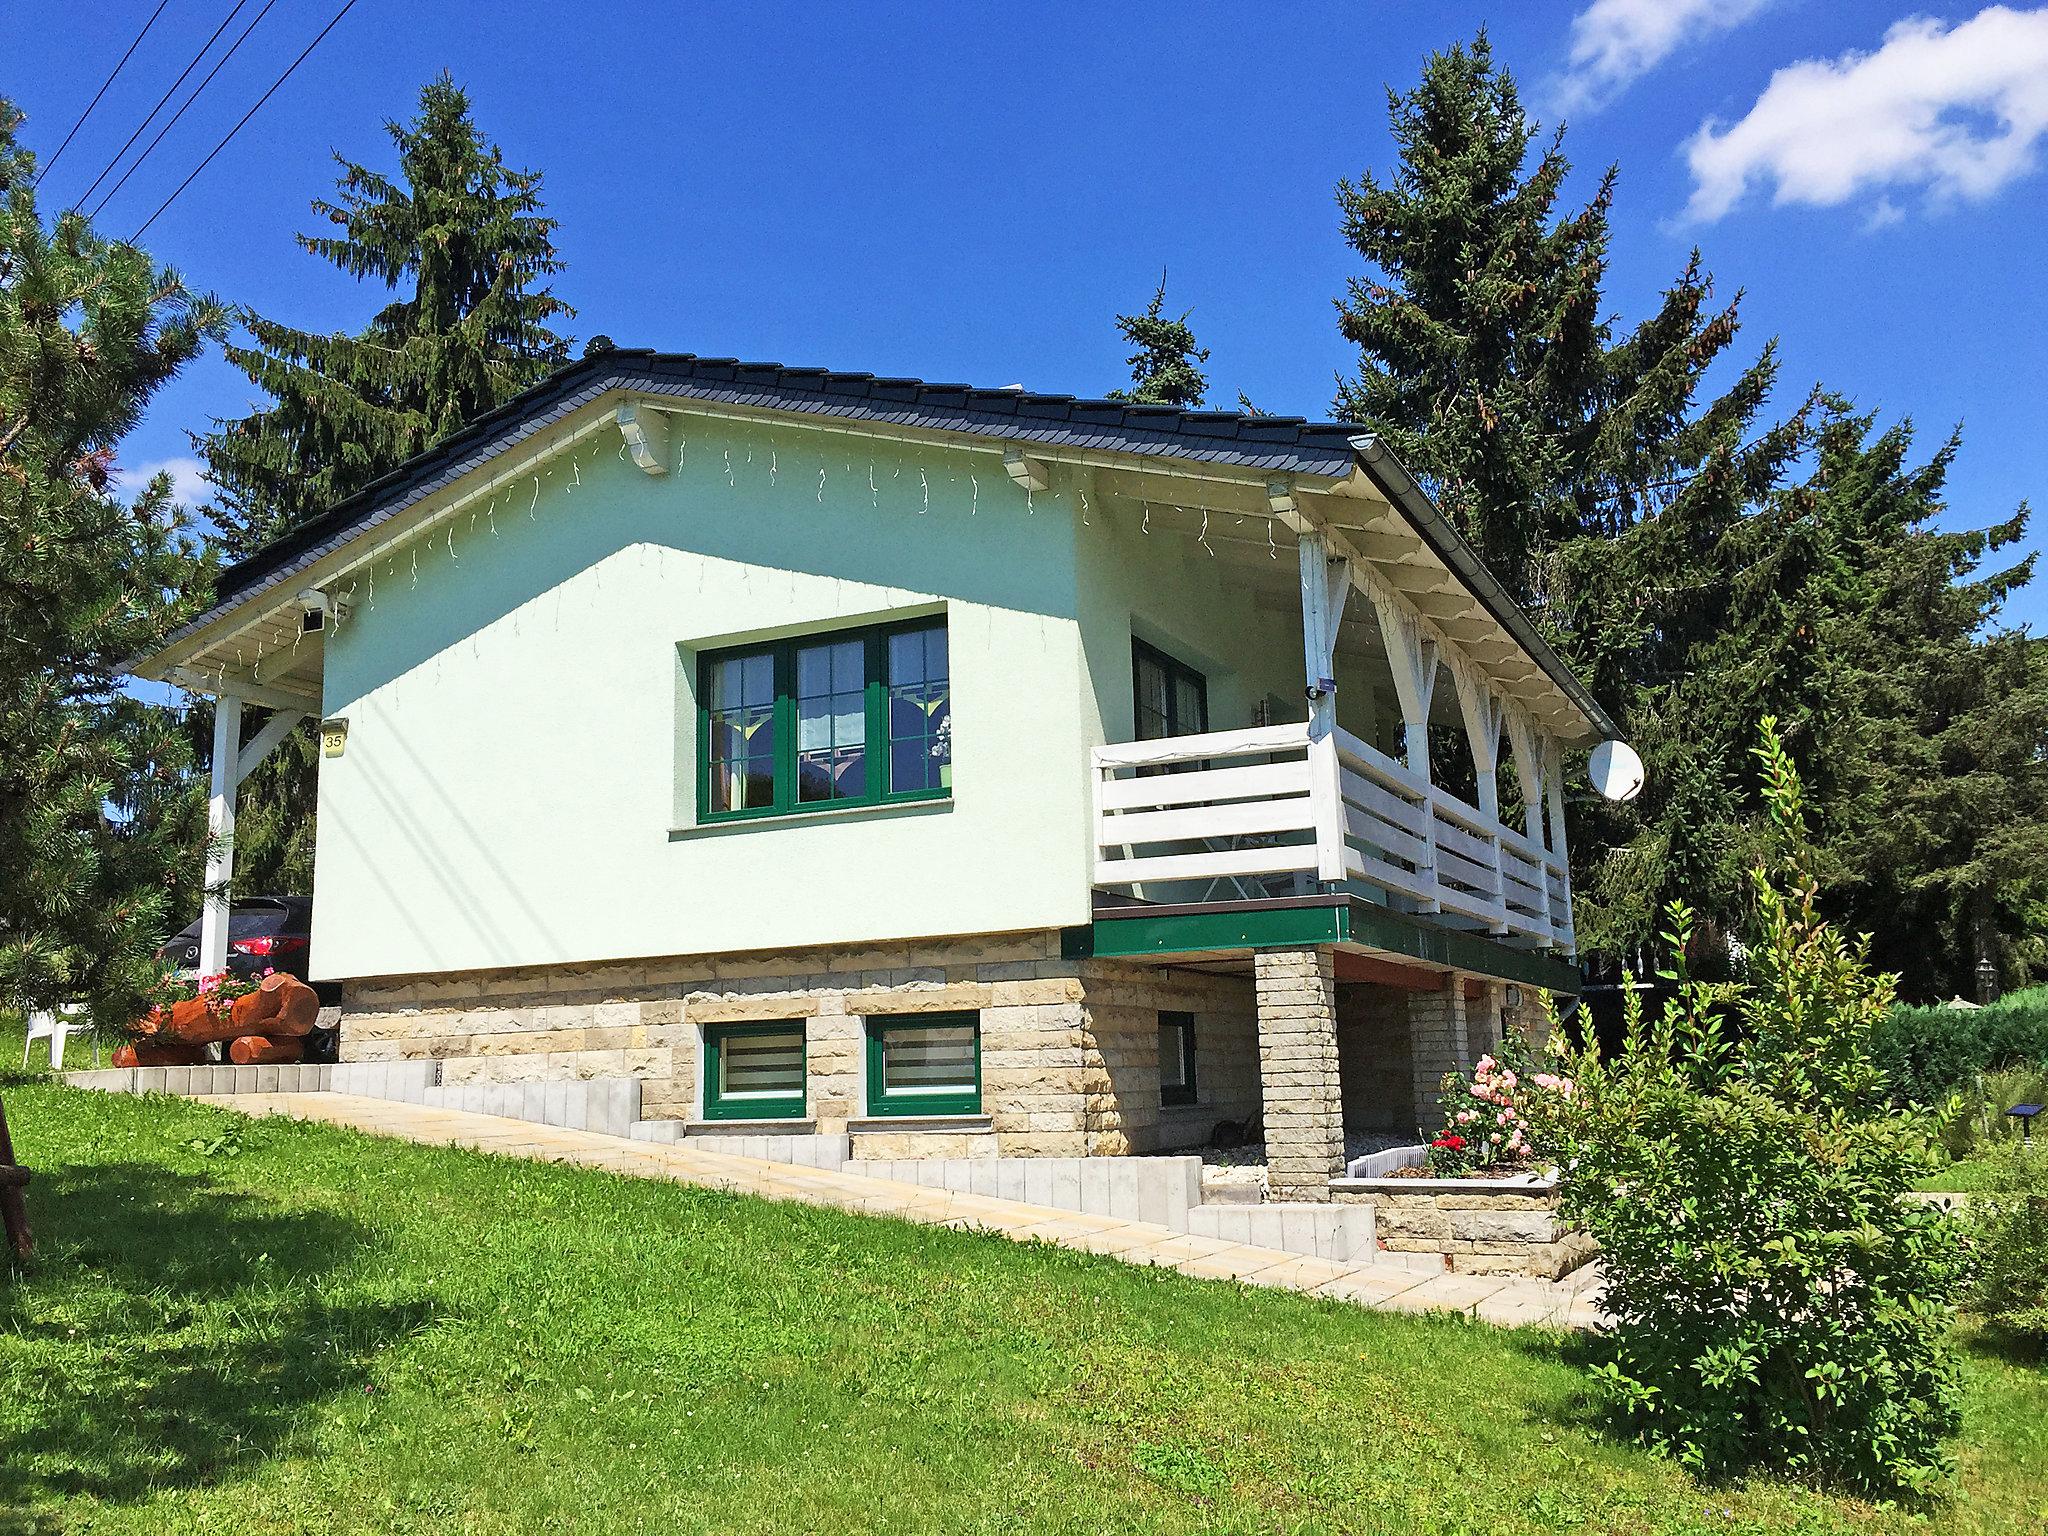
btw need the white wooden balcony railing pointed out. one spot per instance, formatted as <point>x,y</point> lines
<point>1234,814</point>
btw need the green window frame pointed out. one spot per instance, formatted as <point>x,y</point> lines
<point>1177,1047</point>
<point>1168,697</point>
<point>746,1047</point>
<point>823,721</point>
<point>890,1094</point>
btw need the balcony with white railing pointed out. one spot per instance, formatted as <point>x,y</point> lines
<point>1278,811</point>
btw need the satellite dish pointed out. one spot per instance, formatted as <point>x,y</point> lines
<point>1616,770</point>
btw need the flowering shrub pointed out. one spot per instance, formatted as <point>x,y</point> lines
<point>1501,1117</point>
<point>1777,1300</point>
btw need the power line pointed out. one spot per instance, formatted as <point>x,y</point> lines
<point>223,144</point>
<point>184,106</point>
<point>79,201</point>
<point>160,4</point>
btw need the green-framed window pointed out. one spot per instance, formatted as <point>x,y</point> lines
<point>851,717</point>
<point>1168,697</point>
<point>1176,1058</point>
<point>924,1064</point>
<point>754,1071</point>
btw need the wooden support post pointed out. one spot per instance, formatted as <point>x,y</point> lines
<point>1325,583</point>
<point>1528,754</point>
<point>13,1205</point>
<point>1553,776</point>
<point>220,833</point>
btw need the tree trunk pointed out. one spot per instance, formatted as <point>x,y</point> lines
<point>13,1207</point>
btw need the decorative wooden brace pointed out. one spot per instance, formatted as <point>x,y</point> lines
<point>1412,657</point>
<point>1483,711</point>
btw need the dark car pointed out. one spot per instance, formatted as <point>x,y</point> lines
<point>265,933</point>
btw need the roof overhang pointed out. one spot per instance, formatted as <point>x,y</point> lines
<point>255,640</point>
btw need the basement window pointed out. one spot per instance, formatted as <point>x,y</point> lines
<point>1176,1058</point>
<point>924,1064</point>
<point>754,1072</point>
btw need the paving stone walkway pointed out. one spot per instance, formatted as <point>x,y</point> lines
<point>1569,1303</point>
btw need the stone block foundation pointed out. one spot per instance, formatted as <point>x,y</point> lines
<point>1479,1226</point>
<point>1069,1048</point>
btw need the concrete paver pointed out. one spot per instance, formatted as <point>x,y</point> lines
<point>1503,1301</point>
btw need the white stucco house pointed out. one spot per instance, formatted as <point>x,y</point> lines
<point>968,772</point>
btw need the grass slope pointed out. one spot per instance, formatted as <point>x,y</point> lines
<point>261,1326</point>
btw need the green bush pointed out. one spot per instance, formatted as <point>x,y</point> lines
<point>1776,1303</point>
<point>1930,1053</point>
<point>2009,1230</point>
<point>1975,1116</point>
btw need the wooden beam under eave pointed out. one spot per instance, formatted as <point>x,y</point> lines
<point>1440,605</point>
<point>646,435</point>
<point>241,686</point>
<point>1391,548</point>
<point>1029,473</point>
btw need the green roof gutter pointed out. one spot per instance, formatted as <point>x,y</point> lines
<point>1399,487</point>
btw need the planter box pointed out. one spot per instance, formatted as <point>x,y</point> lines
<point>1481,1226</point>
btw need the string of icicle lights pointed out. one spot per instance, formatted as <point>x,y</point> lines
<point>569,461</point>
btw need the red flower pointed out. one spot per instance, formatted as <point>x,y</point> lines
<point>1450,1143</point>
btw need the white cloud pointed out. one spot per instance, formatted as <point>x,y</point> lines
<point>1617,41</point>
<point>188,479</point>
<point>1956,110</point>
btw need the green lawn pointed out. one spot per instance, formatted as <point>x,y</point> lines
<point>260,1326</point>
<point>1966,1176</point>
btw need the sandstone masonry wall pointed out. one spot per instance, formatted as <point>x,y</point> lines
<point>1069,1047</point>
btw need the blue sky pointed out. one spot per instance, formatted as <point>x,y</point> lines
<point>970,192</point>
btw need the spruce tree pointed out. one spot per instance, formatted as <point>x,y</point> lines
<point>1938,733</point>
<point>98,841</point>
<point>1486,361</point>
<point>1576,455</point>
<point>462,240</point>
<point>1163,369</point>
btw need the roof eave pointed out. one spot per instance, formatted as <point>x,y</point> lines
<point>1399,487</point>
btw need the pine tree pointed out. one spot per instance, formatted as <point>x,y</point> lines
<point>1163,370</point>
<point>97,834</point>
<point>463,240</point>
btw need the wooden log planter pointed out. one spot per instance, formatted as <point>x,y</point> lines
<point>274,1021</point>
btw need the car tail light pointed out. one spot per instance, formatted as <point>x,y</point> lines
<point>269,944</point>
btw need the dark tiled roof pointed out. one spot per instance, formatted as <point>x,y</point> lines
<point>1275,444</point>
<point>1281,444</point>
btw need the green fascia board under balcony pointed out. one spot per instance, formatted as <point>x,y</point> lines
<point>1226,927</point>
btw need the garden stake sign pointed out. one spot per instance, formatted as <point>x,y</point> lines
<point>13,1208</point>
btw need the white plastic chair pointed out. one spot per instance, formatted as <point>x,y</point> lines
<point>52,1026</point>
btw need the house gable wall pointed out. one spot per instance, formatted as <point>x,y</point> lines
<point>518,782</point>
